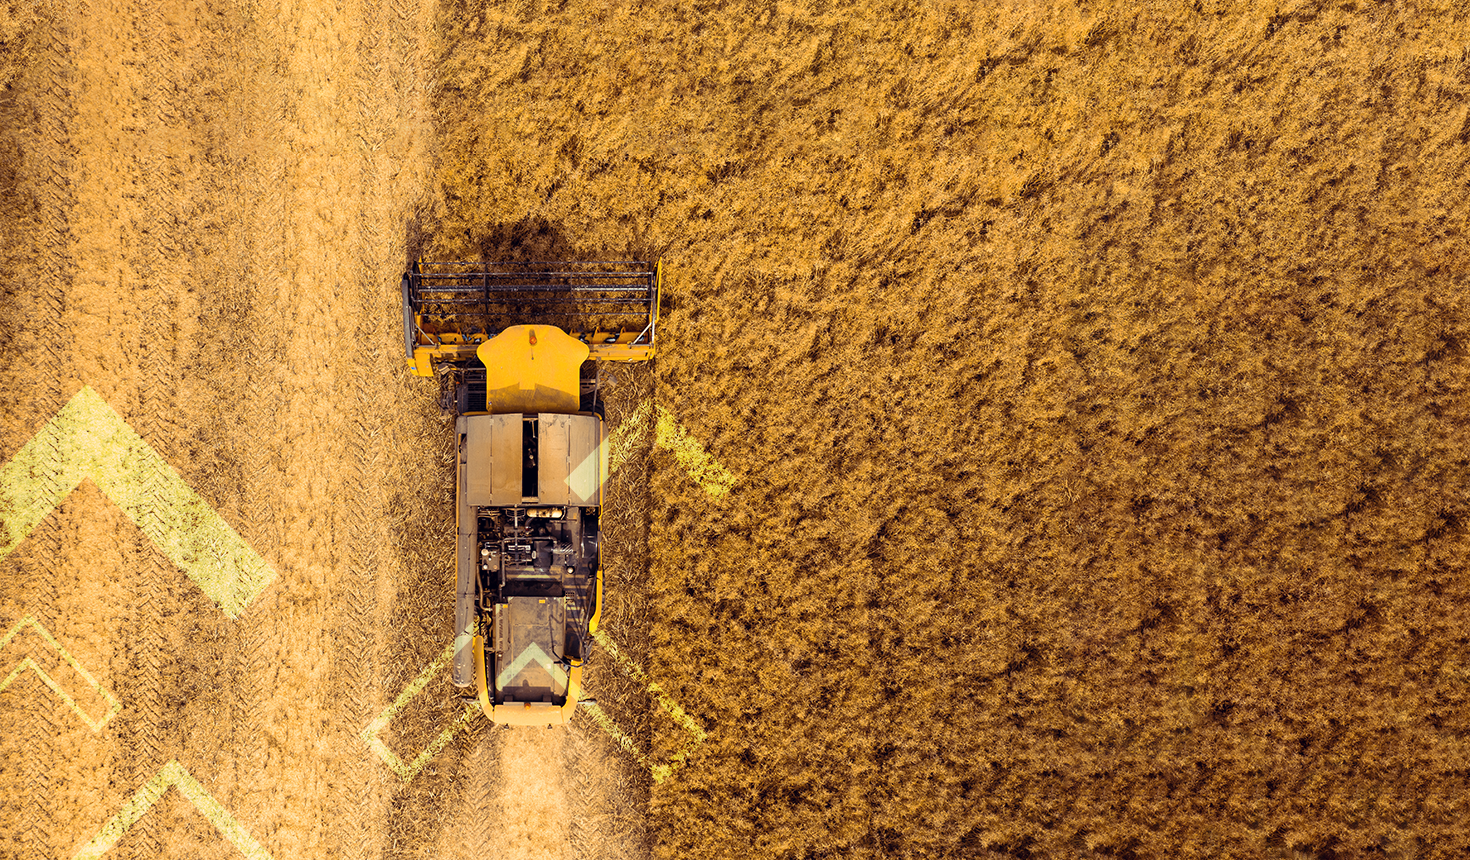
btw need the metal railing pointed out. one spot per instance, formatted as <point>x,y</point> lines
<point>600,292</point>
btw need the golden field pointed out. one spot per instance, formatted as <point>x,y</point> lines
<point>1092,378</point>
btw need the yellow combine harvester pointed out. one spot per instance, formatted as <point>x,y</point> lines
<point>511,344</point>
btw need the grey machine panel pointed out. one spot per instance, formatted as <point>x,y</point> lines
<point>569,461</point>
<point>466,580</point>
<point>493,455</point>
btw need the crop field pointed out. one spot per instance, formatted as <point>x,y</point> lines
<point>1093,382</point>
<point>1056,448</point>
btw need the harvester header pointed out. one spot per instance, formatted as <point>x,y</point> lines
<point>450,308</point>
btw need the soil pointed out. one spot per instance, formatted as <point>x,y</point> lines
<point>1093,381</point>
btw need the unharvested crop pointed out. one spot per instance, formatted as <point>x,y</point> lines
<point>1093,378</point>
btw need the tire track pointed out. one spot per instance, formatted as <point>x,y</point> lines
<point>477,808</point>
<point>45,266</point>
<point>253,183</point>
<point>356,626</point>
<point>364,631</point>
<point>589,825</point>
<point>37,279</point>
<point>238,372</point>
<point>607,794</point>
<point>355,631</point>
<point>255,644</point>
<point>367,633</point>
<point>469,807</point>
<point>611,788</point>
<point>38,827</point>
<point>287,336</point>
<point>395,136</point>
<point>150,213</point>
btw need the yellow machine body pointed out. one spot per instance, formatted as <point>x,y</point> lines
<point>601,346</point>
<point>531,459</point>
<point>527,713</point>
<point>534,713</point>
<point>533,368</point>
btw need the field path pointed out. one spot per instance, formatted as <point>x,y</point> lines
<point>204,208</point>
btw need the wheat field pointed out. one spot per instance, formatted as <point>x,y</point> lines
<point>1091,379</point>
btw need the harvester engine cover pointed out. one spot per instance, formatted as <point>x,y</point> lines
<point>529,488</point>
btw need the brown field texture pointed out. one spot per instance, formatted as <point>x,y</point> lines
<point>1092,378</point>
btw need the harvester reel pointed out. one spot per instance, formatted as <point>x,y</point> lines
<point>451,308</point>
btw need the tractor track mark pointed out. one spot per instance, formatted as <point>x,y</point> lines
<point>49,163</point>
<point>614,786</point>
<point>272,440</point>
<point>252,231</point>
<point>356,668</point>
<point>155,266</point>
<point>250,643</point>
<point>376,246</point>
<point>40,589</point>
<point>40,383</point>
<point>361,622</point>
<point>146,722</point>
<point>55,161</point>
<point>481,776</point>
<point>38,829</point>
<point>588,831</point>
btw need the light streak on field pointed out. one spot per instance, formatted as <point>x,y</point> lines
<point>407,771</point>
<point>28,663</point>
<point>697,735</point>
<point>88,439</point>
<point>670,435</point>
<point>173,775</point>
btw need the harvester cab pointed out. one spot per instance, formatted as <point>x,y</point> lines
<point>511,345</point>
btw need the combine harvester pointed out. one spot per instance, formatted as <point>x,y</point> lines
<point>511,345</point>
